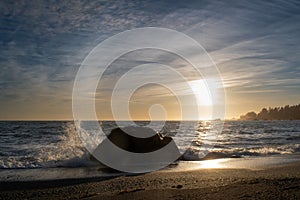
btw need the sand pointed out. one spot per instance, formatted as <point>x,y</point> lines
<point>280,181</point>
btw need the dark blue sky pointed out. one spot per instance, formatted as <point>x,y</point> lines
<point>255,44</point>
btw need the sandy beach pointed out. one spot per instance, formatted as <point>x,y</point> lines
<point>184,181</point>
<point>149,100</point>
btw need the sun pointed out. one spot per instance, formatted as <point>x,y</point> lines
<point>201,92</point>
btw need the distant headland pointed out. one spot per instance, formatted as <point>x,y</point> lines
<point>277,113</point>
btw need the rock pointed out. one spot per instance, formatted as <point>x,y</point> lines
<point>179,186</point>
<point>122,139</point>
<point>148,141</point>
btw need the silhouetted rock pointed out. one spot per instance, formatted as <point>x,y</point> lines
<point>148,141</point>
<point>123,139</point>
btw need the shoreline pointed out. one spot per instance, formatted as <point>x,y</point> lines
<point>279,179</point>
<point>98,171</point>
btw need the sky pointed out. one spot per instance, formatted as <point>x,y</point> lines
<point>254,44</point>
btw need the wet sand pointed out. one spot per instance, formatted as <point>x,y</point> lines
<point>276,181</point>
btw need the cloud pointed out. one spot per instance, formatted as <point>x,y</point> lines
<point>255,44</point>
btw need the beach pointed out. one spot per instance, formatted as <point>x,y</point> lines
<point>244,179</point>
<point>249,160</point>
<point>149,100</point>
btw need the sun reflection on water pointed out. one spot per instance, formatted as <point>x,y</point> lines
<point>212,164</point>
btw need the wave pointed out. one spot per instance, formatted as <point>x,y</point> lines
<point>195,154</point>
<point>58,144</point>
<point>64,151</point>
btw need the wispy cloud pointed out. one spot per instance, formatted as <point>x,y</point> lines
<point>255,44</point>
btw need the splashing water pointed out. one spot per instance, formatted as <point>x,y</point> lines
<point>57,144</point>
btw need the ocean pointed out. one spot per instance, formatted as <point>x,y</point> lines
<point>55,144</point>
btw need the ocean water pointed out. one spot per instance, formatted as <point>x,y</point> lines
<point>25,144</point>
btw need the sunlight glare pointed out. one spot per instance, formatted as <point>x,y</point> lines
<point>201,92</point>
<point>212,164</point>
